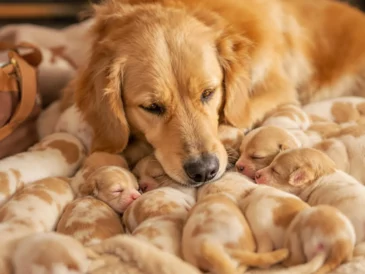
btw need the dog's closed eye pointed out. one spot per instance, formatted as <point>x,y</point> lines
<point>154,108</point>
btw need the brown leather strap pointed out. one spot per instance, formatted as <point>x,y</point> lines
<point>34,57</point>
<point>27,79</point>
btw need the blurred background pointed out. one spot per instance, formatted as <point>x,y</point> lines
<point>60,13</point>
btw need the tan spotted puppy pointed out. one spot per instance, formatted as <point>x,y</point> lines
<point>35,208</point>
<point>270,213</point>
<point>92,163</point>
<point>158,217</point>
<point>59,154</point>
<point>72,122</point>
<point>339,110</point>
<point>288,116</point>
<point>231,139</point>
<point>217,237</point>
<point>115,186</point>
<point>261,145</point>
<point>151,175</point>
<point>89,221</point>
<point>312,175</point>
<point>49,253</point>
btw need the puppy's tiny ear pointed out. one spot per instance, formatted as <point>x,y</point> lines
<point>301,176</point>
<point>89,187</point>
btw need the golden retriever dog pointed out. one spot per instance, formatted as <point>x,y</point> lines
<point>169,72</point>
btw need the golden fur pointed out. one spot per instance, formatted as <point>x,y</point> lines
<point>169,72</point>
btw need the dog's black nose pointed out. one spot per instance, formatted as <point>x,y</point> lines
<point>203,168</point>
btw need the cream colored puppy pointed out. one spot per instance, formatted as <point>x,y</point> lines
<point>312,175</point>
<point>288,116</point>
<point>72,122</point>
<point>48,119</point>
<point>59,154</point>
<point>340,110</point>
<point>151,175</point>
<point>114,185</point>
<point>158,202</point>
<point>89,221</point>
<point>346,149</point>
<point>271,212</point>
<point>261,145</point>
<point>158,217</point>
<point>49,253</point>
<point>92,163</point>
<point>217,237</point>
<point>35,208</point>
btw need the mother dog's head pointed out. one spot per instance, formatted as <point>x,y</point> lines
<point>167,76</point>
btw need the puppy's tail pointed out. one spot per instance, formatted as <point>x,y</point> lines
<point>310,267</point>
<point>341,251</point>
<point>359,249</point>
<point>217,258</point>
<point>266,259</point>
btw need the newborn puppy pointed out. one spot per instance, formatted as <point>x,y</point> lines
<point>158,217</point>
<point>49,253</point>
<point>261,145</point>
<point>114,185</point>
<point>346,150</point>
<point>47,119</point>
<point>92,163</point>
<point>312,175</point>
<point>89,221</point>
<point>158,202</point>
<point>217,237</point>
<point>288,116</point>
<point>151,175</point>
<point>231,139</point>
<point>270,213</point>
<point>72,122</point>
<point>323,233</point>
<point>59,154</point>
<point>339,110</point>
<point>35,208</point>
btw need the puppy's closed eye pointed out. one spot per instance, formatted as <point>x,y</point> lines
<point>257,157</point>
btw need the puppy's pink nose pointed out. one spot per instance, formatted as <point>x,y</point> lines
<point>240,167</point>
<point>135,195</point>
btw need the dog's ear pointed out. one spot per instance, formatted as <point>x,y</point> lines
<point>302,176</point>
<point>99,84</point>
<point>233,51</point>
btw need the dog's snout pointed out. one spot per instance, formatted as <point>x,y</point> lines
<point>202,169</point>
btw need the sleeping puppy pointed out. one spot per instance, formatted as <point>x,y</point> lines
<point>312,175</point>
<point>35,208</point>
<point>92,163</point>
<point>49,253</point>
<point>277,221</point>
<point>158,217</point>
<point>151,175</point>
<point>72,122</point>
<point>217,237</point>
<point>58,154</point>
<point>89,221</point>
<point>339,110</point>
<point>210,63</point>
<point>261,145</point>
<point>113,185</point>
<point>288,116</point>
<point>346,150</point>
